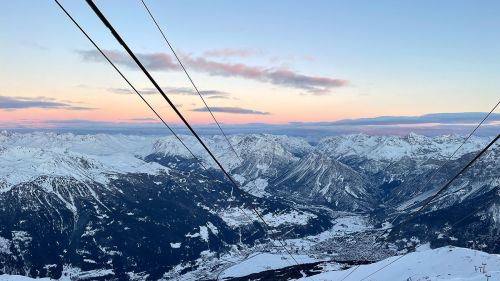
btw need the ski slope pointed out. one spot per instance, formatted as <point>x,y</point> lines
<point>446,263</point>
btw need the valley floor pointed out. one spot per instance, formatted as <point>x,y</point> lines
<point>270,256</point>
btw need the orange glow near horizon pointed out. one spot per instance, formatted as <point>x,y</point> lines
<point>282,105</point>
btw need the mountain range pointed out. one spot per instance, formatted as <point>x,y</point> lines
<point>140,207</point>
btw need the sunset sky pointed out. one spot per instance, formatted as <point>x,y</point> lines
<point>255,61</point>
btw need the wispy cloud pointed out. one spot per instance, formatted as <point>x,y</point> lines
<point>191,91</point>
<point>281,76</point>
<point>143,119</point>
<point>276,76</point>
<point>153,61</point>
<point>433,118</point>
<point>232,110</point>
<point>35,45</point>
<point>212,94</point>
<point>126,91</point>
<point>217,97</point>
<point>15,103</point>
<point>73,121</point>
<point>121,91</point>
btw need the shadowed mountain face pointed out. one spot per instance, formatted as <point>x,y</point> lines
<point>324,180</point>
<point>127,205</point>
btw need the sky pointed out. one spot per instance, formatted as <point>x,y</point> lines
<point>271,62</point>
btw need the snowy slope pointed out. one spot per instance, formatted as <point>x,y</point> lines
<point>99,144</point>
<point>263,261</point>
<point>24,164</point>
<point>6,277</point>
<point>24,157</point>
<point>446,263</point>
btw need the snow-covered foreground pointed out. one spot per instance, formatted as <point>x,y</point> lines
<point>19,278</point>
<point>262,262</point>
<point>446,263</point>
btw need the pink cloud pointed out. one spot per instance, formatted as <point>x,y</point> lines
<point>278,76</point>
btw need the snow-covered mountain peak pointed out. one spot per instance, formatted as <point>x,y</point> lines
<point>390,148</point>
<point>170,146</point>
<point>265,144</point>
<point>98,144</point>
<point>24,164</point>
